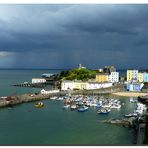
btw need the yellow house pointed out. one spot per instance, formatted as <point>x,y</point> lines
<point>80,85</point>
<point>132,75</point>
<point>102,77</point>
<point>140,77</point>
<point>129,75</point>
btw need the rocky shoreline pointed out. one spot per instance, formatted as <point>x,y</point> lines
<point>125,122</point>
<point>139,123</point>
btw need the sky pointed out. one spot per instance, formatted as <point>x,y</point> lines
<point>64,35</point>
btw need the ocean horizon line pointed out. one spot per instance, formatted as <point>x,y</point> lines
<point>34,69</point>
<point>46,69</point>
<point>58,69</point>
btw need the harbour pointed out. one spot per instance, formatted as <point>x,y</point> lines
<point>78,106</point>
<point>73,75</point>
<point>51,125</point>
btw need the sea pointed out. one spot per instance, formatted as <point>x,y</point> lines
<point>25,125</point>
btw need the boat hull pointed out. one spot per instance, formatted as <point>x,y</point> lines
<point>83,109</point>
<point>39,105</point>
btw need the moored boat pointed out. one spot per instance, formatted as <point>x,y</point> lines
<point>53,98</point>
<point>83,109</point>
<point>73,107</point>
<point>103,111</point>
<point>39,105</point>
<point>116,106</point>
<point>80,103</point>
<point>131,115</point>
<point>106,105</point>
<point>60,98</point>
<point>66,106</point>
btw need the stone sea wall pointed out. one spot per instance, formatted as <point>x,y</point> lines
<point>109,90</point>
<point>14,100</point>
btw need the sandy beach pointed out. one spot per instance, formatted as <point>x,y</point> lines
<point>130,94</point>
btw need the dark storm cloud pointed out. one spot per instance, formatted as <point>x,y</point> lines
<point>62,36</point>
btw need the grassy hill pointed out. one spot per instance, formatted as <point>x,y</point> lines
<point>77,74</point>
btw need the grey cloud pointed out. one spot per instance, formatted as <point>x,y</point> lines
<point>66,35</point>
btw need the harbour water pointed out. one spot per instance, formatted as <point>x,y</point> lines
<point>51,125</point>
<point>9,77</point>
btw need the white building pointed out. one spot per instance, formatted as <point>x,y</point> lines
<point>114,77</point>
<point>71,85</point>
<point>81,67</point>
<point>38,80</point>
<point>100,70</point>
<point>45,92</point>
<point>96,85</point>
<point>67,85</point>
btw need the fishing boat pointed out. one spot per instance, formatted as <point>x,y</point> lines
<point>87,104</point>
<point>98,105</point>
<point>80,103</point>
<point>60,98</point>
<point>106,105</point>
<point>131,115</point>
<point>115,106</point>
<point>103,111</point>
<point>83,109</point>
<point>39,105</point>
<point>66,106</point>
<point>53,98</point>
<point>141,108</point>
<point>73,107</point>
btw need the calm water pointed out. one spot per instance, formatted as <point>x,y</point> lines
<point>10,77</point>
<point>26,125</point>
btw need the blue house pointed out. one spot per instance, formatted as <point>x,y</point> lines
<point>145,77</point>
<point>134,86</point>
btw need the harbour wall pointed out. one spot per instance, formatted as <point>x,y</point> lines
<point>18,99</point>
<point>109,90</point>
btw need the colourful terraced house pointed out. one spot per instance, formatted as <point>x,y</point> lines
<point>132,75</point>
<point>145,77</point>
<point>102,77</point>
<point>141,77</point>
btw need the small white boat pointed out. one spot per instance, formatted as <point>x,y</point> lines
<point>83,109</point>
<point>131,115</point>
<point>87,104</point>
<point>103,111</point>
<point>66,106</point>
<point>60,98</point>
<point>139,111</point>
<point>53,98</point>
<point>106,105</point>
<point>73,107</point>
<point>80,103</point>
<point>115,106</point>
<point>93,104</point>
